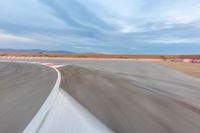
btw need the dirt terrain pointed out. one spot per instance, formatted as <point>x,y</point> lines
<point>188,68</point>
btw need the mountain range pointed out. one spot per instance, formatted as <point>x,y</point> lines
<point>34,51</point>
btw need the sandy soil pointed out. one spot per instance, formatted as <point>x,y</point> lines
<point>188,68</point>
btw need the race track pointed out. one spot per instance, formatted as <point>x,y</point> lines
<point>23,89</point>
<point>125,96</point>
<point>139,97</point>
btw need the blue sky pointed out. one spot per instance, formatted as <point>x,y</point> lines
<point>102,26</point>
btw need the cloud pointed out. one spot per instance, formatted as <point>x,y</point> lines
<point>134,48</point>
<point>13,38</point>
<point>173,40</point>
<point>109,26</point>
<point>77,16</point>
<point>79,47</point>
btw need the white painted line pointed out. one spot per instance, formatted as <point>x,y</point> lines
<point>39,117</point>
<point>58,66</point>
<point>68,116</point>
<point>60,113</point>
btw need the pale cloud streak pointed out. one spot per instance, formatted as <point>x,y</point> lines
<point>109,26</point>
<point>13,38</point>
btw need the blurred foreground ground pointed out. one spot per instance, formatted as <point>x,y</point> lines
<point>136,96</point>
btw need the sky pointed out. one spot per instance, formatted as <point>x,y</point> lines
<point>102,26</point>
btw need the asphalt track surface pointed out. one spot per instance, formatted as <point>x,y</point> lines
<point>23,89</point>
<point>139,97</point>
<point>133,96</point>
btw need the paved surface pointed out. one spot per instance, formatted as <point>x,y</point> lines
<point>130,96</point>
<point>23,89</point>
<point>137,97</point>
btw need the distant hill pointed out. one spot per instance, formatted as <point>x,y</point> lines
<point>33,51</point>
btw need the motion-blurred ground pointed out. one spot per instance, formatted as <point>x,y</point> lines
<point>136,96</point>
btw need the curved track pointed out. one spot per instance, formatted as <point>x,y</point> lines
<point>23,89</point>
<point>140,97</point>
<point>127,96</point>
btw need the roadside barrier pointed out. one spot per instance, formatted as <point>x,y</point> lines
<point>185,60</point>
